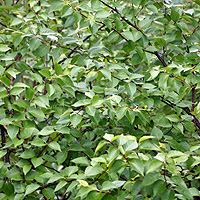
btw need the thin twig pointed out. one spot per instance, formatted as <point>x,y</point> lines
<point>126,20</point>
<point>47,145</point>
<point>76,47</point>
<point>193,96</point>
<point>64,194</point>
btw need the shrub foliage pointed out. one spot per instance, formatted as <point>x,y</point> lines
<point>99,99</point>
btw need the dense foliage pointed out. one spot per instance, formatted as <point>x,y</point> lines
<point>99,99</point>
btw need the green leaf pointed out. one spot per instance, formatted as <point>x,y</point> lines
<point>118,183</point>
<point>16,21</point>
<point>26,168</point>
<point>150,178</point>
<point>197,1</point>
<point>60,186</point>
<point>83,191</point>
<point>108,185</point>
<point>61,157</point>
<point>54,178</point>
<point>113,37</point>
<point>34,43</point>
<point>130,145</point>
<point>50,89</point>
<point>37,161</point>
<point>42,50</point>
<point>160,41</point>
<point>106,73</point>
<point>55,146</point>
<point>174,153</point>
<point>31,188</point>
<point>47,130</point>
<point>19,197</point>
<point>108,137</point>
<point>72,185</point>
<point>5,121</point>
<point>164,122</point>
<point>121,112</point>
<point>8,188</point>
<point>37,113</point>
<point>128,35</point>
<point>173,118</point>
<point>2,153</point>
<point>131,116</point>
<point>58,69</point>
<point>194,148</point>
<point>158,187</point>
<point>27,154</point>
<point>147,145</point>
<point>102,14</point>
<point>185,192</point>
<point>56,5</point>
<point>91,110</point>
<point>38,142</point>
<point>179,181</point>
<point>156,132</point>
<point>12,131</point>
<point>66,11</point>
<point>136,59</point>
<point>81,160</point>
<point>5,81</point>
<point>75,119</point>
<point>100,145</point>
<point>145,138</point>
<point>130,88</point>
<point>93,170</point>
<point>113,153</point>
<point>136,35</point>
<point>37,77</point>
<point>16,91</point>
<point>82,103</point>
<point>138,166</point>
<point>71,170</point>
<point>4,48</point>
<point>154,165</point>
<point>174,14</point>
<point>45,72</point>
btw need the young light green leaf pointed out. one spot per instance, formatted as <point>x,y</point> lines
<point>145,138</point>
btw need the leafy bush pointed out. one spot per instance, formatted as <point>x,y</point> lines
<point>99,99</point>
